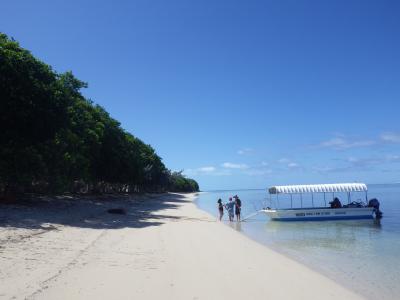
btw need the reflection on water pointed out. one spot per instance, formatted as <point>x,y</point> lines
<point>235,225</point>
<point>361,254</point>
<point>330,235</point>
<point>238,226</point>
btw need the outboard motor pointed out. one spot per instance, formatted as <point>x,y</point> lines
<point>375,204</point>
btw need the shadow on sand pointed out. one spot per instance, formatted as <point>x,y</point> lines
<point>90,212</point>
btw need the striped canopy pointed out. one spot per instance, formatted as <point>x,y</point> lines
<point>318,188</point>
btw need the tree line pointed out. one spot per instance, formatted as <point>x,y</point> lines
<point>54,140</point>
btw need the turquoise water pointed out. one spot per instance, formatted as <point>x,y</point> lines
<point>362,255</point>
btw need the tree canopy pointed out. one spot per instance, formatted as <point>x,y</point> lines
<point>53,139</point>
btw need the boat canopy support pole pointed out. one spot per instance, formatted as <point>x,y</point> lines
<point>348,197</point>
<point>291,201</point>
<point>277,201</point>
<point>325,199</point>
<point>312,199</point>
<point>301,200</point>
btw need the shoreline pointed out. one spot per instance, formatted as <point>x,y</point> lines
<point>164,247</point>
<point>330,275</point>
<point>233,226</point>
<point>359,255</point>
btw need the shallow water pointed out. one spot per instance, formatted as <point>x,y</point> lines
<point>362,255</point>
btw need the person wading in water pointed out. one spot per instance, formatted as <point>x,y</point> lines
<point>229,207</point>
<point>220,209</point>
<point>238,207</point>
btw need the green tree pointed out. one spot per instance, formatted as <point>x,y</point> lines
<point>53,137</point>
<point>33,109</point>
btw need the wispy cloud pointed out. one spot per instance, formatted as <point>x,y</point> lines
<point>288,164</point>
<point>283,160</point>
<point>341,143</point>
<point>199,171</point>
<point>206,169</point>
<point>228,169</point>
<point>222,173</point>
<point>323,169</point>
<point>258,172</point>
<point>293,165</point>
<point>390,137</point>
<point>229,165</point>
<point>359,164</point>
<point>362,163</point>
<point>245,151</point>
<point>392,158</point>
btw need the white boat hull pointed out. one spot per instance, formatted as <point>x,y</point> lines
<point>319,214</point>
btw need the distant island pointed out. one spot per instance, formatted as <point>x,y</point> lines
<point>54,140</point>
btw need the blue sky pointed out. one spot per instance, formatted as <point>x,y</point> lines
<point>239,94</point>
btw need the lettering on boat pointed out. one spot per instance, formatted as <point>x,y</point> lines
<point>324,213</point>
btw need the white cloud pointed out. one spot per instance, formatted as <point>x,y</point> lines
<point>245,151</point>
<point>390,137</point>
<point>189,172</point>
<point>368,161</point>
<point>222,173</point>
<point>255,172</point>
<point>334,142</point>
<point>393,158</point>
<point>199,171</point>
<point>288,163</point>
<point>324,169</point>
<point>370,164</point>
<point>340,143</point>
<point>206,169</point>
<point>283,160</point>
<point>229,165</point>
<point>264,164</point>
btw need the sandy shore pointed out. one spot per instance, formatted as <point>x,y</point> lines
<point>163,248</point>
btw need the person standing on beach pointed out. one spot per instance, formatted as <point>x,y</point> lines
<point>220,209</point>
<point>229,207</point>
<point>238,208</point>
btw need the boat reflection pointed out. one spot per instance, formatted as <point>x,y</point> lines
<point>327,234</point>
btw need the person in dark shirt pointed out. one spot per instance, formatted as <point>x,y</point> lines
<point>238,207</point>
<point>220,209</point>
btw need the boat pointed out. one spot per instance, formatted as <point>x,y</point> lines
<point>336,211</point>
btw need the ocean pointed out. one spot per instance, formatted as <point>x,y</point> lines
<point>362,255</point>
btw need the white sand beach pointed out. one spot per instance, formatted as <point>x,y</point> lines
<point>163,248</point>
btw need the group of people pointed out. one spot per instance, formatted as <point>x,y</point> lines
<point>234,205</point>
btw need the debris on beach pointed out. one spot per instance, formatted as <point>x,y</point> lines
<point>118,211</point>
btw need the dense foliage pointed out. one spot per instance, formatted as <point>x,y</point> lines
<point>54,140</point>
<point>179,183</point>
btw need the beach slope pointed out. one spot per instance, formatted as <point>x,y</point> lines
<point>163,248</point>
